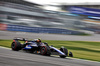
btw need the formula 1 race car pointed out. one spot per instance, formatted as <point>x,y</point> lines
<point>36,46</point>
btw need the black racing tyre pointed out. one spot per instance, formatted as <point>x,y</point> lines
<point>45,51</point>
<point>62,56</point>
<point>70,54</point>
<point>64,50</point>
<point>16,46</point>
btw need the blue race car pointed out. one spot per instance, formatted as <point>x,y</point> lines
<point>36,46</point>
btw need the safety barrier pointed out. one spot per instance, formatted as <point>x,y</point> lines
<point>91,29</point>
<point>3,26</point>
<point>40,30</point>
<point>10,27</point>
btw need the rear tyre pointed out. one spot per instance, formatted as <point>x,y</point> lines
<point>45,51</point>
<point>16,46</point>
<point>64,50</point>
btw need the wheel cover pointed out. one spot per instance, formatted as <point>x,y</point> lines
<point>43,50</point>
<point>14,46</point>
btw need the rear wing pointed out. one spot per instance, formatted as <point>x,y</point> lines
<point>20,39</point>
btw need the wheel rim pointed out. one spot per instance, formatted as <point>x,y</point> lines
<point>13,45</point>
<point>43,50</point>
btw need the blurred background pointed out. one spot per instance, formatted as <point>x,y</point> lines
<point>60,18</point>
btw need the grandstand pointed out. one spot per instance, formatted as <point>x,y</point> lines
<point>96,5</point>
<point>17,11</point>
<point>90,13</point>
<point>22,13</point>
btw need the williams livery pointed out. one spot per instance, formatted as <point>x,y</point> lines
<point>36,46</point>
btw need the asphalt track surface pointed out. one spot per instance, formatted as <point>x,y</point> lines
<point>20,58</point>
<point>11,35</point>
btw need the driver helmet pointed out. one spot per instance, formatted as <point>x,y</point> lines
<point>37,40</point>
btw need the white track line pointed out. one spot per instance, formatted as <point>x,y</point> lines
<point>5,47</point>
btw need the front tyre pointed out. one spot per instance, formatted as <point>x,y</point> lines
<point>16,46</point>
<point>70,54</point>
<point>65,51</point>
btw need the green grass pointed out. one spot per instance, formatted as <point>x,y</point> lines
<point>6,43</point>
<point>81,49</point>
